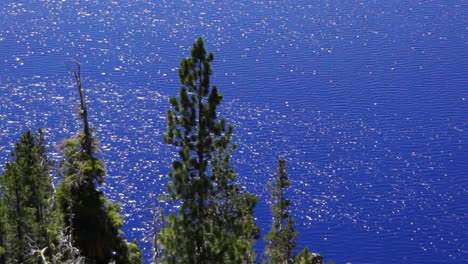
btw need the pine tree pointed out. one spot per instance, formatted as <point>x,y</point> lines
<point>26,209</point>
<point>15,199</point>
<point>215,221</point>
<point>281,238</point>
<point>93,221</point>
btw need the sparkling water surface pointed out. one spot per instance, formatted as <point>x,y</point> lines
<point>366,100</point>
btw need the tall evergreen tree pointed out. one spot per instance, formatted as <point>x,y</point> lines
<point>215,221</point>
<point>93,221</point>
<point>26,208</point>
<point>281,238</point>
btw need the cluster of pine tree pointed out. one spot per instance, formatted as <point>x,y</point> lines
<point>76,223</point>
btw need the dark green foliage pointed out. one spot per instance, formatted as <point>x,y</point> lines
<point>281,238</point>
<point>27,215</point>
<point>134,254</point>
<point>93,221</point>
<point>215,221</point>
<point>2,230</point>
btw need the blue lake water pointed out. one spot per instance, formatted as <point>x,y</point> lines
<point>366,100</point>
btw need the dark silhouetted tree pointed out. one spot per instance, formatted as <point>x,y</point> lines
<point>93,221</point>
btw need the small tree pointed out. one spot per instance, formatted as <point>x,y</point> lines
<point>26,209</point>
<point>281,238</point>
<point>93,221</point>
<point>305,257</point>
<point>215,220</point>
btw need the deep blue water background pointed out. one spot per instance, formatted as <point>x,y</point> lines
<point>366,100</point>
